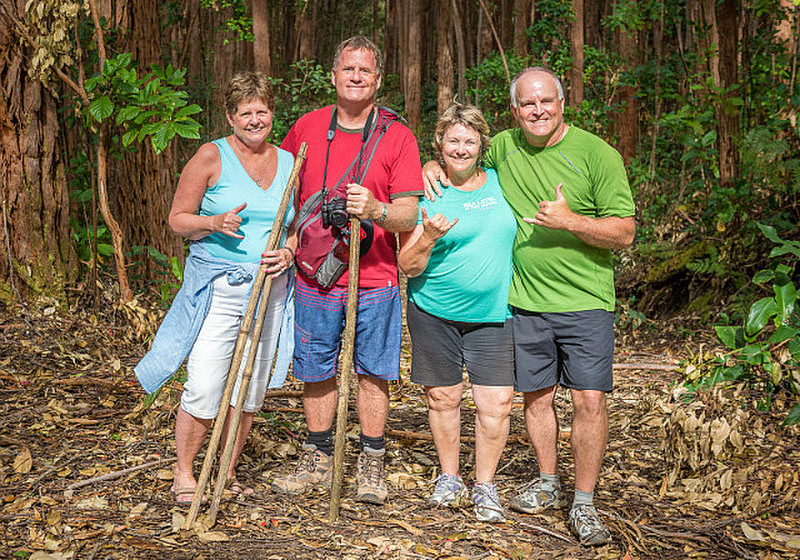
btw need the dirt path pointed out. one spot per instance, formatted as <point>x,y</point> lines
<point>71,412</point>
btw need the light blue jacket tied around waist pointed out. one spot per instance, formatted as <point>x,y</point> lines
<point>181,325</point>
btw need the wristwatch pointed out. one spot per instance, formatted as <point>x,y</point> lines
<point>384,212</point>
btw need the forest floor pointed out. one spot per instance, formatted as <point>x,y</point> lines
<point>708,477</point>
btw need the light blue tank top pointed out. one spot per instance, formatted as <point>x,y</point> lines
<point>232,189</point>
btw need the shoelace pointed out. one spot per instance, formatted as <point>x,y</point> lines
<point>307,461</point>
<point>373,468</point>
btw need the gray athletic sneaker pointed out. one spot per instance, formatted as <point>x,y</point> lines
<point>538,495</point>
<point>487,503</point>
<point>449,491</point>
<point>370,477</point>
<point>588,526</point>
<point>314,467</point>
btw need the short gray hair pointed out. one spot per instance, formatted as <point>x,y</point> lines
<point>359,42</point>
<point>524,71</point>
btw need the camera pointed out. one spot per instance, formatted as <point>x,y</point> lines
<point>334,213</point>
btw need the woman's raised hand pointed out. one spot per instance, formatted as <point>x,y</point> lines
<point>437,226</point>
<point>229,222</point>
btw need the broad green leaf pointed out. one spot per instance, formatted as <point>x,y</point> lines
<point>129,136</point>
<point>128,113</point>
<point>769,232</point>
<point>763,276</point>
<point>783,332</point>
<point>105,249</point>
<point>731,337</point>
<point>101,108</point>
<point>785,300</point>
<point>794,415</point>
<point>754,354</point>
<point>187,111</point>
<point>760,312</point>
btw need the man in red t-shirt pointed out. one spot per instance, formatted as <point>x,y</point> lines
<point>387,195</point>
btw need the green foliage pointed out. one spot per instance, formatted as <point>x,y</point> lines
<point>152,107</point>
<point>170,270</point>
<point>237,27</point>
<point>306,87</point>
<point>765,347</point>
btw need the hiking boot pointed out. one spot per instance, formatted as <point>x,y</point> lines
<point>314,467</point>
<point>538,495</point>
<point>448,492</point>
<point>487,503</point>
<point>371,486</point>
<point>588,526</point>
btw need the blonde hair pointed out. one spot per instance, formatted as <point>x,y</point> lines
<point>246,86</point>
<point>466,115</point>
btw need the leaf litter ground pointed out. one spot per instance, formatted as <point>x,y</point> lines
<point>85,464</point>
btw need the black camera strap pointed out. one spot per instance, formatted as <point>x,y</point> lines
<point>365,135</point>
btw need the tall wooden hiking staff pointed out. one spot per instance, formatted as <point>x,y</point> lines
<point>347,365</point>
<point>261,287</point>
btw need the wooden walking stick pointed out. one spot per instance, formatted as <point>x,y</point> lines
<point>347,365</point>
<point>244,330</point>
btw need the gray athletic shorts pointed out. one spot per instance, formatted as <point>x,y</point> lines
<point>440,349</point>
<point>575,350</point>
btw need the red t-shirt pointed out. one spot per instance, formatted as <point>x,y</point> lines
<point>395,172</point>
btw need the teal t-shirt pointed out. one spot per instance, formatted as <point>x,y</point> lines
<point>235,187</point>
<point>469,270</point>
<point>554,271</point>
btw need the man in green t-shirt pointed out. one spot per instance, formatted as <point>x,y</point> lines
<point>570,195</point>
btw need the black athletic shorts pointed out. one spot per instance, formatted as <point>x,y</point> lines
<point>440,348</point>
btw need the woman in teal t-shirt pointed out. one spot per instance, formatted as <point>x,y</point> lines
<point>458,260</point>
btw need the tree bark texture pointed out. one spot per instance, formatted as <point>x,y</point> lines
<point>444,59</point>
<point>576,47</point>
<point>261,51</point>
<point>728,113</point>
<point>522,10</point>
<point>627,125</point>
<point>36,254</point>
<point>413,92</point>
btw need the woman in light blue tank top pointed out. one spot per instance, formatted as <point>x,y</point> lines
<point>458,260</point>
<point>227,200</point>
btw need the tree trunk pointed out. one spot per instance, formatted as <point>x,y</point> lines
<point>576,47</point>
<point>521,40</point>
<point>414,64</point>
<point>628,121</point>
<point>728,113</point>
<point>261,51</point>
<point>444,59</point>
<point>461,50</point>
<point>36,254</point>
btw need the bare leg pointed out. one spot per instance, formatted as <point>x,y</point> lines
<point>190,433</point>
<point>373,405</point>
<point>492,421</point>
<point>542,424</point>
<point>319,402</point>
<point>245,424</point>
<point>444,416</point>
<point>589,436</point>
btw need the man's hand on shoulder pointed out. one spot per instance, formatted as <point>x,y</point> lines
<point>432,175</point>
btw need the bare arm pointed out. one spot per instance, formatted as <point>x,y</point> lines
<point>401,213</point>
<point>416,245</point>
<point>607,233</point>
<point>201,172</point>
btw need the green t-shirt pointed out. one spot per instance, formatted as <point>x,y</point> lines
<point>554,271</point>
<point>469,270</point>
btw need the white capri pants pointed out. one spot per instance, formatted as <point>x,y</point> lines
<point>210,358</point>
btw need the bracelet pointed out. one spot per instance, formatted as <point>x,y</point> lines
<point>384,212</point>
<point>290,251</point>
